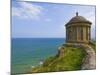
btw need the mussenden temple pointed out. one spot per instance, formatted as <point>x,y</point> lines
<point>78,30</point>
<point>78,51</point>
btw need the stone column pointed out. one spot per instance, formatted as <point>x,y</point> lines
<point>81,30</point>
<point>72,32</point>
<point>77,33</point>
<point>75,30</point>
<point>89,33</point>
<point>66,34</point>
<point>84,33</point>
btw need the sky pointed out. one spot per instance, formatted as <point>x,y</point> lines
<point>46,20</point>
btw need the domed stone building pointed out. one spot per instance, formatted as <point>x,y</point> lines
<point>78,30</point>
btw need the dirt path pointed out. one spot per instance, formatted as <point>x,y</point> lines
<point>90,60</point>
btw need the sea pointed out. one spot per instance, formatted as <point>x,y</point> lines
<point>27,53</point>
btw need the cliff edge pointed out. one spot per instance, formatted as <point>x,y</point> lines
<point>69,57</point>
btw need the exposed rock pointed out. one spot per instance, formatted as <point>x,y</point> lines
<point>90,60</point>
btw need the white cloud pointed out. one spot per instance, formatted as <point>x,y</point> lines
<point>26,10</point>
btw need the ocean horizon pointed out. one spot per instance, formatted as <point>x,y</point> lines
<point>30,52</point>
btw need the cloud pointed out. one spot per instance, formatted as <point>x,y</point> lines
<point>26,10</point>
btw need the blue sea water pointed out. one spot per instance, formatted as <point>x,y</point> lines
<point>28,52</point>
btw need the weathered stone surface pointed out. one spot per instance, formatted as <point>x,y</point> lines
<point>90,60</point>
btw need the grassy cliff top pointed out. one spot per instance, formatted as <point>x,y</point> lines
<point>67,59</point>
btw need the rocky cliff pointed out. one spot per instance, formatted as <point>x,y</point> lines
<point>70,57</point>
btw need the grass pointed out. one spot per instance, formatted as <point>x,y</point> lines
<point>72,60</point>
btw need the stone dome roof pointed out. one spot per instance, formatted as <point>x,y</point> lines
<point>78,19</point>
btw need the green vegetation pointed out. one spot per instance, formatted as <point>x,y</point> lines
<point>71,60</point>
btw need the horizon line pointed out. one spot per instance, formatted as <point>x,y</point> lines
<point>37,37</point>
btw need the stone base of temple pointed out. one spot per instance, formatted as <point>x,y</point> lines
<point>84,42</point>
<point>74,44</point>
